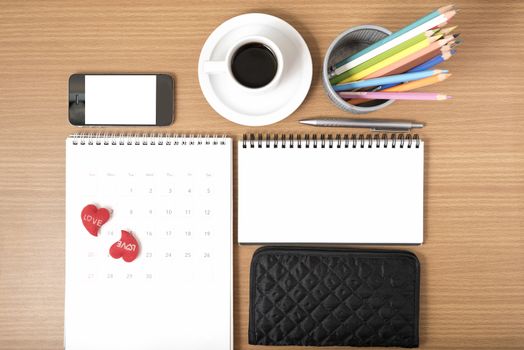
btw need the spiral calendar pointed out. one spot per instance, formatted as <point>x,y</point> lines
<point>173,194</point>
<point>360,188</point>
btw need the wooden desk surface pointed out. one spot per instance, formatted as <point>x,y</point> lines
<point>472,290</point>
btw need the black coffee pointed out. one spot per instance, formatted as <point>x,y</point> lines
<point>254,65</point>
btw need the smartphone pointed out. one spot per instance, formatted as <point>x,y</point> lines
<point>121,99</point>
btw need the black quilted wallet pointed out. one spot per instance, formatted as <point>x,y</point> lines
<point>334,297</point>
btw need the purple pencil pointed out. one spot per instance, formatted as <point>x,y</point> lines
<point>378,95</point>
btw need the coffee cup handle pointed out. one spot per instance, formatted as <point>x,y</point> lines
<point>213,67</point>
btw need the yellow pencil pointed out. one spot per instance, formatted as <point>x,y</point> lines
<point>446,31</point>
<point>392,59</point>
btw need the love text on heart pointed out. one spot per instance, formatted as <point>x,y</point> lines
<point>91,218</point>
<point>129,247</point>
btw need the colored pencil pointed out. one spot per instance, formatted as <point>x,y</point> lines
<point>415,84</point>
<point>420,96</point>
<point>406,44</point>
<point>433,62</point>
<point>401,65</point>
<point>384,45</point>
<point>428,64</point>
<point>392,59</point>
<point>388,80</point>
<point>446,31</point>
<point>406,68</point>
<point>397,34</point>
<point>455,43</point>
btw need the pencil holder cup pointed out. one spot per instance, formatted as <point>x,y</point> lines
<point>346,44</point>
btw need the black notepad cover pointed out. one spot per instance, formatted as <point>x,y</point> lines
<point>334,297</point>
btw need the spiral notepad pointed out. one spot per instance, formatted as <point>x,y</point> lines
<point>331,189</point>
<point>174,194</point>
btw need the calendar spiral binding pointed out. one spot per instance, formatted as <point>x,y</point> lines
<point>147,139</point>
<point>330,141</point>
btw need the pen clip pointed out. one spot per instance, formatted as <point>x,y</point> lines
<point>392,129</point>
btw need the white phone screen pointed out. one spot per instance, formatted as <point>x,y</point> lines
<point>120,99</point>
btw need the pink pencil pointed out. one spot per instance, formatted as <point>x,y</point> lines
<point>420,96</point>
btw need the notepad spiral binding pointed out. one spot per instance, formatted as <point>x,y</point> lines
<point>328,141</point>
<point>148,139</point>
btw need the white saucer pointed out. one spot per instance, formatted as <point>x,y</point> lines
<point>240,105</point>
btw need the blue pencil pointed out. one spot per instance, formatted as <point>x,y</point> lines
<point>422,67</point>
<point>399,78</point>
<point>404,30</point>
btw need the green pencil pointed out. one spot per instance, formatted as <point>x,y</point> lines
<point>394,50</point>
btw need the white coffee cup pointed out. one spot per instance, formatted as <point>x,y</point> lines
<point>224,67</point>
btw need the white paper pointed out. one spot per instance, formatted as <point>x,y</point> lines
<point>120,99</point>
<point>330,195</point>
<point>176,200</point>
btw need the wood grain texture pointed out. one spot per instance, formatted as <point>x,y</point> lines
<point>472,259</point>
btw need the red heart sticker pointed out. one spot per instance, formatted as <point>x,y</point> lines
<point>93,218</point>
<point>126,248</point>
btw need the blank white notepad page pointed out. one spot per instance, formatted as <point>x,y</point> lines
<point>174,195</point>
<point>330,195</point>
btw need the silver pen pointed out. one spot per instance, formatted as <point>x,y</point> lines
<point>374,125</point>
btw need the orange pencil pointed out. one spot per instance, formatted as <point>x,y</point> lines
<point>408,86</point>
<point>412,85</point>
